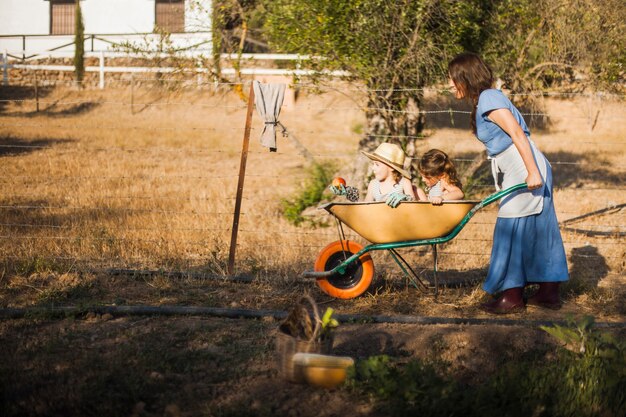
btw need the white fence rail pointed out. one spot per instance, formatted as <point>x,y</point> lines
<point>19,63</point>
<point>27,47</point>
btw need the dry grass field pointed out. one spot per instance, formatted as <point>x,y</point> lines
<point>96,182</point>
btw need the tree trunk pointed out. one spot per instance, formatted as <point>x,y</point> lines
<point>387,124</point>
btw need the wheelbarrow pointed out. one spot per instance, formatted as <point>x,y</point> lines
<point>344,269</point>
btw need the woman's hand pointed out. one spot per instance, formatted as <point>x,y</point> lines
<point>504,118</point>
<point>534,181</point>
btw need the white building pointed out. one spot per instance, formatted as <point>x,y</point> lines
<point>33,27</point>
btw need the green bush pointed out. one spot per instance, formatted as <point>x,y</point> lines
<point>589,380</point>
<point>310,193</point>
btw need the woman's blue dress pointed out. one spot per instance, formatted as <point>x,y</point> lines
<point>529,248</point>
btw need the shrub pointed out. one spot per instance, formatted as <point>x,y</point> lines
<point>319,177</point>
<point>588,379</point>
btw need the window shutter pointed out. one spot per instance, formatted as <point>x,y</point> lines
<point>62,17</point>
<point>170,15</point>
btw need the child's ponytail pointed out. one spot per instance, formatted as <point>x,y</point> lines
<point>450,171</point>
<point>436,163</point>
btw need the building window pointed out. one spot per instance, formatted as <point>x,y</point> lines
<point>62,17</point>
<point>170,15</point>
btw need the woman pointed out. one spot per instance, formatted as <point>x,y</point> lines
<point>527,244</point>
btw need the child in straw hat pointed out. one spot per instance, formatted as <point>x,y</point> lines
<point>391,183</point>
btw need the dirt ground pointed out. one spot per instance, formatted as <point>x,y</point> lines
<point>189,366</point>
<point>89,363</point>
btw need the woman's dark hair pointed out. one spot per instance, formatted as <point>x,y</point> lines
<point>472,76</point>
<point>435,163</point>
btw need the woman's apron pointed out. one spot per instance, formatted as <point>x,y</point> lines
<point>509,163</point>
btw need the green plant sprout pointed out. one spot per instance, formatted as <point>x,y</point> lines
<point>328,322</point>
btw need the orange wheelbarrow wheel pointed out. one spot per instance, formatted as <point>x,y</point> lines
<point>357,277</point>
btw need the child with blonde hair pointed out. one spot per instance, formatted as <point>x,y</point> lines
<point>391,183</point>
<point>439,175</point>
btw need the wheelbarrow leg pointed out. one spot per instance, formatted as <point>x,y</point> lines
<point>408,271</point>
<point>435,270</point>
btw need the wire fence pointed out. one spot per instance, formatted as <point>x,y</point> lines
<point>113,191</point>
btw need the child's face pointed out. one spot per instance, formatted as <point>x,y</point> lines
<point>381,171</point>
<point>429,181</point>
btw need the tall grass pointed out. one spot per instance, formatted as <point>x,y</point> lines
<point>106,186</point>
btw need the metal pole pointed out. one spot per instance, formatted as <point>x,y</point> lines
<point>242,174</point>
<point>5,65</point>
<point>101,84</point>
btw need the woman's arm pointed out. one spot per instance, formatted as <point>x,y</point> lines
<point>504,118</point>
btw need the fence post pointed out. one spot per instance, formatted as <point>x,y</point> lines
<point>242,175</point>
<point>101,84</point>
<point>5,68</point>
<point>36,93</point>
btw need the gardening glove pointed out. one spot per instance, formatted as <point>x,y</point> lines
<point>395,198</point>
<point>352,194</point>
<point>341,190</point>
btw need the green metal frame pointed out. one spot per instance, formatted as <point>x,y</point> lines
<point>341,268</point>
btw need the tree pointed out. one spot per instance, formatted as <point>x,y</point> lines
<point>232,21</point>
<point>79,42</point>
<point>573,44</point>
<point>394,48</point>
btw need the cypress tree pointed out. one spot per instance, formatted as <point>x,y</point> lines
<point>79,41</point>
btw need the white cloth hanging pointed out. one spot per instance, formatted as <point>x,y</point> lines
<point>268,99</point>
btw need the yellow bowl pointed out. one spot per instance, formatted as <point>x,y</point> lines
<point>325,371</point>
<point>324,377</point>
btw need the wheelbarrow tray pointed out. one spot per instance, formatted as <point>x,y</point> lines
<point>413,220</point>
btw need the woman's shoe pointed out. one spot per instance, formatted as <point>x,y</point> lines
<point>511,301</point>
<point>547,296</point>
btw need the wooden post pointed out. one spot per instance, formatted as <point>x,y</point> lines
<point>132,93</point>
<point>36,93</point>
<point>101,83</point>
<point>5,68</point>
<point>242,174</point>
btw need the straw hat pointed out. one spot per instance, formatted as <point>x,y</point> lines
<point>390,154</point>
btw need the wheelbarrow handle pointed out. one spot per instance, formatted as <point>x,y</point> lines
<point>341,268</point>
<point>320,274</point>
<point>496,196</point>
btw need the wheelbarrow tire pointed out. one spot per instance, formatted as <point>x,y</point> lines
<point>357,277</point>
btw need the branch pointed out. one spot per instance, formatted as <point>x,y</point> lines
<point>532,33</point>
